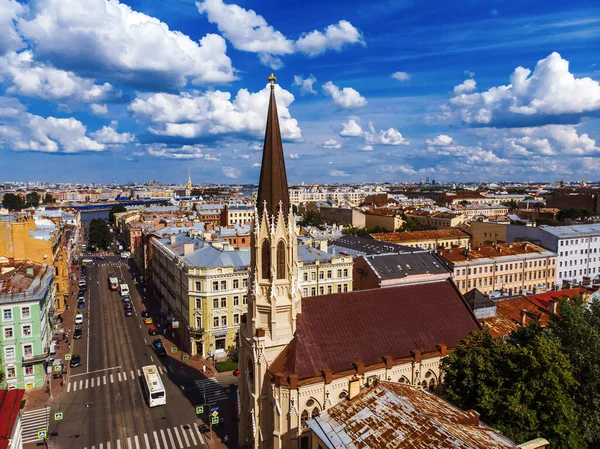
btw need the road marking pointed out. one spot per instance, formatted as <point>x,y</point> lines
<point>145,341</point>
<point>187,441</point>
<point>132,375</point>
<point>93,447</point>
<point>146,441</point>
<point>100,445</point>
<point>164,439</point>
<point>195,426</point>
<point>192,435</point>
<point>119,376</point>
<point>97,371</point>
<point>156,439</point>
<point>108,445</point>
<point>171,438</point>
<point>98,381</point>
<point>139,373</point>
<point>137,442</point>
<point>111,379</point>
<point>81,384</point>
<point>129,443</point>
<point>104,380</point>
<point>178,437</point>
<point>92,386</point>
<point>86,383</point>
<point>140,326</point>
<point>151,358</point>
<point>118,444</point>
<point>69,388</point>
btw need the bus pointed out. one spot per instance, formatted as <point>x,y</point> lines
<point>113,281</point>
<point>153,386</point>
<point>124,290</point>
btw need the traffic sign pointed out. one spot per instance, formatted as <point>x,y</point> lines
<point>57,368</point>
<point>67,357</point>
<point>174,349</point>
<point>42,434</point>
<point>214,420</point>
<point>215,413</point>
<point>185,357</point>
<point>199,409</point>
<point>58,416</point>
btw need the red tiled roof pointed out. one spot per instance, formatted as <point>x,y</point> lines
<point>508,315</point>
<point>396,237</point>
<point>334,331</point>
<point>544,299</point>
<point>10,404</point>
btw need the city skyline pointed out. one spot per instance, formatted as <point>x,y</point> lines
<point>380,93</point>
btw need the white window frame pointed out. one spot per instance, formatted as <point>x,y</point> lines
<point>14,350</point>
<point>23,330</point>
<point>32,370</point>
<point>28,317</point>
<point>4,329</point>
<point>8,309</point>
<point>14,368</point>
<point>23,349</point>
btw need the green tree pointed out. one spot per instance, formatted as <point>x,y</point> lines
<point>117,208</point>
<point>311,218</point>
<point>523,390</point>
<point>233,352</point>
<point>32,199</point>
<point>512,204</point>
<point>100,236</point>
<point>49,199</point>
<point>13,202</point>
<point>196,192</point>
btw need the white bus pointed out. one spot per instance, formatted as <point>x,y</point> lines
<point>113,280</point>
<point>124,290</point>
<point>153,386</point>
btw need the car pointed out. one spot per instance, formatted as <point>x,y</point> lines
<point>81,283</point>
<point>87,260</point>
<point>157,342</point>
<point>78,333</point>
<point>153,330</point>
<point>128,312</point>
<point>145,313</point>
<point>83,288</point>
<point>80,296</point>
<point>236,372</point>
<point>160,351</point>
<point>79,318</point>
<point>128,305</point>
<point>147,320</point>
<point>75,361</point>
<point>80,304</point>
<point>100,257</point>
<point>126,299</point>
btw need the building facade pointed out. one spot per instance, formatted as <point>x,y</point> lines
<point>429,240</point>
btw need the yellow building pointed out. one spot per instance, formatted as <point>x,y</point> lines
<point>438,220</point>
<point>485,233</point>
<point>43,242</point>
<point>434,239</point>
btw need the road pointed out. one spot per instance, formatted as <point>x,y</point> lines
<point>103,404</point>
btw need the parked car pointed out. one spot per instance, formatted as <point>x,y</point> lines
<point>88,260</point>
<point>126,299</point>
<point>78,333</point>
<point>81,283</point>
<point>128,305</point>
<point>80,304</point>
<point>157,342</point>
<point>145,313</point>
<point>128,312</point>
<point>75,361</point>
<point>160,351</point>
<point>83,288</point>
<point>79,318</point>
<point>153,330</point>
<point>147,320</point>
<point>100,257</point>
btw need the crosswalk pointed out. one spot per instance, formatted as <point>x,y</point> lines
<point>32,421</point>
<point>75,384</point>
<point>176,437</point>
<point>212,389</point>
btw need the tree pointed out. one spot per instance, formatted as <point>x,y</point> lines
<point>233,352</point>
<point>100,236</point>
<point>512,204</point>
<point>311,218</point>
<point>524,390</point>
<point>117,208</point>
<point>49,199</point>
<point>32,199</point>
<point>196,192</point>
<point>13,202</point>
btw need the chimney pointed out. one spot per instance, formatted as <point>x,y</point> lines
<point>353,387</point>
<point>188,248</point>
<point>416,355</point>
<point>470,418</point>
<point>173,239</point>
<point>389,362</point>
<point>443,349</point>
<point>523,317</point>
<point>327,375</point>
<point>553,306</point>
<point>360,368</point>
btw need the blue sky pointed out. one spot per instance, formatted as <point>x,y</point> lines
<point>96,90</point>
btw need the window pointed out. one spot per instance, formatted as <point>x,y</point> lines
<point>321,290</point>
<point>304,292</point>
<point>313,291</point>
<point>25,312</point>
<point>216,321</point>
<point>245,299</point>
<point>313,276</point>
<point>28,370</point>
<point>198,322</point>
<point>11,372</point>
<point>198,303</point>
<point>26,330</point>
<point>219,344</point>
<point>265,258</point>
<point>281,260</point>
<point>321,275</point>
<point>27,350</point>
<point>215,286</point>
<point>236,300</point>
<point>223,321</point>
<point>9,353</point>
<point>7,314</point>
<point>345,288</point>
<point>223,285</point>
<point>329,289</point>
<point>339,288</point>
<point>236,283</point>
<point>198,286</point>
<point>223,303</point>
<point>328,274</point>
<point>215,303</point>
<point>9,333</point>
<point>339,273</point>
<point>305,276</point>
<point>244,283</point>
<point>346,272</point>
<point>236,319</point>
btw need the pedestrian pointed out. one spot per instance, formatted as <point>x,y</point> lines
<point>226,440</point>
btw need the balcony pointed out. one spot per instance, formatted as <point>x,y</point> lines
<point>38,357</point>
<point>196,331</point>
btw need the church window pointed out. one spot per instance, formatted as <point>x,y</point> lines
<point>281,260</point>
<point>315,413</point>
<point>265,260</point>
<point>303,419</point>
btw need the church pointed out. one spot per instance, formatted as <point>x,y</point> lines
<point>300,356</point>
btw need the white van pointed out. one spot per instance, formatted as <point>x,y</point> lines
<point>124,288</point>
<point>125,255</point>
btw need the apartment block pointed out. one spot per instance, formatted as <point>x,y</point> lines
<point>442,238</point>
<point>437,220</point>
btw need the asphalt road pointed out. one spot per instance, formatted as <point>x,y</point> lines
<point>103,404</point>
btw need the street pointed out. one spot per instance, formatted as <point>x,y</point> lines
<point>103,403</point>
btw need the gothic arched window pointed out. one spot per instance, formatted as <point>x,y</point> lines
<point>315,413</point>
<point>265,259</point>
<point>281,260</point>
<point>432,384</point>
<point>303,419</point>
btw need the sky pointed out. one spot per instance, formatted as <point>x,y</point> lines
<point>388,91</point>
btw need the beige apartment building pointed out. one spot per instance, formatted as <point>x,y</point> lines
<point>485,233</point>
<point>438,220</point>
<point>439,238</point>
<point>512,268</point>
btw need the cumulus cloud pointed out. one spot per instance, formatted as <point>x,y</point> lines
<point>337,173</point>
<point>294,156</point>
<point>467,85</point>
<point>110,40</point>
<point>256,164</point>
<point>332,143</point>
<point>28,78</point>
<point>441,141</point>
<point>346,98</point>
<point>351,128</point>
<point>306,84</point>
<point>215,113</point>
<point>99,109</point>
<point>178,152</point>
<point>367,148</point>
<point>549,141</point>
<point>401,76</point>
<point>109,135</point>
<point>10,40</point>
<point>231,172</point>
<point>333,38</point>
<point>548,95</point>
<point>390,136</point>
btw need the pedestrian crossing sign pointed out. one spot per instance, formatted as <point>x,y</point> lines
<point>174,349</point>
<point>42,434</point>
<point>57,368</point>
<point>67,357</point>
<point>185,358</point>
<point>215,420</point>
<point>58,416</point>
<point>199,409</point>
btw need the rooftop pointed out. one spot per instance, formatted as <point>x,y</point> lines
<point>573,231</point>
<point>509,316</point>
<point>10,404</point>
<point>544,299</point>
<point>515,250</point>
<point>392,415</point>
<point>415,236</point>
<point>359,246</point>
<point>24,280</point>
<point>395,266</point>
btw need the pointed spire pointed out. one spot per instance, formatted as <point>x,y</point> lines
<point>273,186</point>
<point>189,183</point>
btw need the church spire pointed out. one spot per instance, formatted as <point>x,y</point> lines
<point>273,187</point>
<point>189,183</point>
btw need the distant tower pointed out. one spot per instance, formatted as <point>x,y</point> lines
<point>189,184</point>
<point>583,183</point>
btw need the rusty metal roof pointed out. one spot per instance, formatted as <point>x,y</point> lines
<point>403,237</point>
<point>19,277</point>
<point>509,315</point>
<point>397,416</point>
<point>335,331</point>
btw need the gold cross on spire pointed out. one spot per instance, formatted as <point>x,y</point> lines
<point>272,80</point>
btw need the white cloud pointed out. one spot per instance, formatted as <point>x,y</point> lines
<point>110,136</point>
<point>549,94</point>
<point>256,164</point>
<point>28,78</point>
<point>442,140</point>
<point>214,113</point>
<point>337,173</point>
<point>332,143</point>
<point>183,152</point>
<point>391,136</point>
<point>138,153</point>
<point>306,84</point>
<point>10,40</point>
<point>294,156</point>
<point>347,98</point>
<point>270,61</point>
<point>110,40</point>
<point>404,169</point>
<point>99,109</point>
<point>231,172</point>
<point>401,76</point>
<point>549,141</point>
<point>367,148</point>
<point>351,128</point>
<point>334,38</point>
<point>467,85</point>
